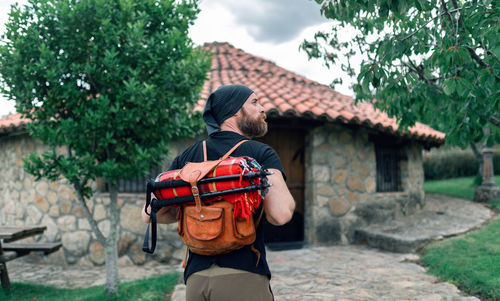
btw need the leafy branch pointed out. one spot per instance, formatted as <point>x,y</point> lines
<point>446,12</point>
<point>453,79</point>
<point>495,121</point>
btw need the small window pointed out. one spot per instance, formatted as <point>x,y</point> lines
<point>137,185</point>
<point>388,168</point>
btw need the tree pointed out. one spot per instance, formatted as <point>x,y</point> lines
<point>111,82</point>
<point>432,61</point>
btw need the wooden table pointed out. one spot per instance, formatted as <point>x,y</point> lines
<point>10,251</point>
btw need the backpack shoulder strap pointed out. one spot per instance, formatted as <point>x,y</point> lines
<point>204,150</point>
<point>225,155</point>
<point>252,247</point>
<point>233,149</point>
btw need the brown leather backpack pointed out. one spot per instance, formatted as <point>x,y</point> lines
<point>211,229</point>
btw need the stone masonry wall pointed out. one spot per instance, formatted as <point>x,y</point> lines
<point>24,201</point>
<point>341,184</point>
<point>340,195</point>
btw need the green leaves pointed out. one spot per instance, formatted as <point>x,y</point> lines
<point>421,63</point>
<point>449,86</point>
<point>463,87</point>
<point>112,82</point>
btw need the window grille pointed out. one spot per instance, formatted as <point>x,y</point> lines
<point>388,168</point>
<point>137,185</point>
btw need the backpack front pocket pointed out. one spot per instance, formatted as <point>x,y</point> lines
<point>243,228</point>
<point>203,225</point>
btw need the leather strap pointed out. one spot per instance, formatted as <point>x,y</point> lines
<point>226,155</point>
<point>233,149</point>
<point>260,217</point>
<point>204,150</point>
<point>194,189</point>
<point>252,247</point>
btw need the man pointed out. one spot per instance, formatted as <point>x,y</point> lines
<point>233,113</point>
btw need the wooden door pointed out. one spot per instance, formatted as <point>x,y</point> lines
<point>290,146</point>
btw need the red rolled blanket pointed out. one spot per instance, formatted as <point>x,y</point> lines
<point>245,203</point>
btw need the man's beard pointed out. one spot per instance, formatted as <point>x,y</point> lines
<point>252,128</point>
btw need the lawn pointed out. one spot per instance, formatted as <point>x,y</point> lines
<point>155,288</point>
<point>458,187</point>
<point>470,261</point>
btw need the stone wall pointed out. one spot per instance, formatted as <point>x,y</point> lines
<point>341,184</point>
<point>340,195</point>
<point>24,201</point>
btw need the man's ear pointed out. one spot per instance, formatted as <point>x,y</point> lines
<point>238,114</point>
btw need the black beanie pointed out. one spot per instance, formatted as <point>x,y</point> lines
<point>222,104</point>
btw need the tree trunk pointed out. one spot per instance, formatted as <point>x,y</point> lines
<point>111,246</point>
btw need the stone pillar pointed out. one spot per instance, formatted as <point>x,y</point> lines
<point>488,190</point>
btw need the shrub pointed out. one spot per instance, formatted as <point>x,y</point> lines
<point>454,163</point>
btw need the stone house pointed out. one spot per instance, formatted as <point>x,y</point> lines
<point>346,164</point>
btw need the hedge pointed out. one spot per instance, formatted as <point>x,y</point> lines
<point>454,163</point>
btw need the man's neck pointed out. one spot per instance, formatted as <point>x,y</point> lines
<point>231,126</point>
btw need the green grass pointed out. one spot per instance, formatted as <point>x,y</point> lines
<point>458,187</point>
<point>155,288</point>
<point>495,204</point>
<point>471,261</point>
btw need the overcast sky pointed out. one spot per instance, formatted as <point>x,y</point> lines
<point>272,29</point>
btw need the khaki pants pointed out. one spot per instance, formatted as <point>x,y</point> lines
<point>224,284</point>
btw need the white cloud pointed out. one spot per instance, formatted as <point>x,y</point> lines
<point>275,21</point>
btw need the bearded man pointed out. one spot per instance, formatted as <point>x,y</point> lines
<point>233,113</point>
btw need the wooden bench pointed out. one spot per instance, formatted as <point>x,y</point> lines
<point>14,233</point>
<point>10,251</point>
<point>7,256</point>
<point>23,249</point>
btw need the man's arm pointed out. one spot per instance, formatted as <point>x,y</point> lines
<point>165,215</point>
<point>278,202</point>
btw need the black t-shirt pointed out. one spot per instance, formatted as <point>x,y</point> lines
<point>217,145</point>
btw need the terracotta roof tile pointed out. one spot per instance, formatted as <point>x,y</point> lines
<point>11,123</point>
<point>286,94</point>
